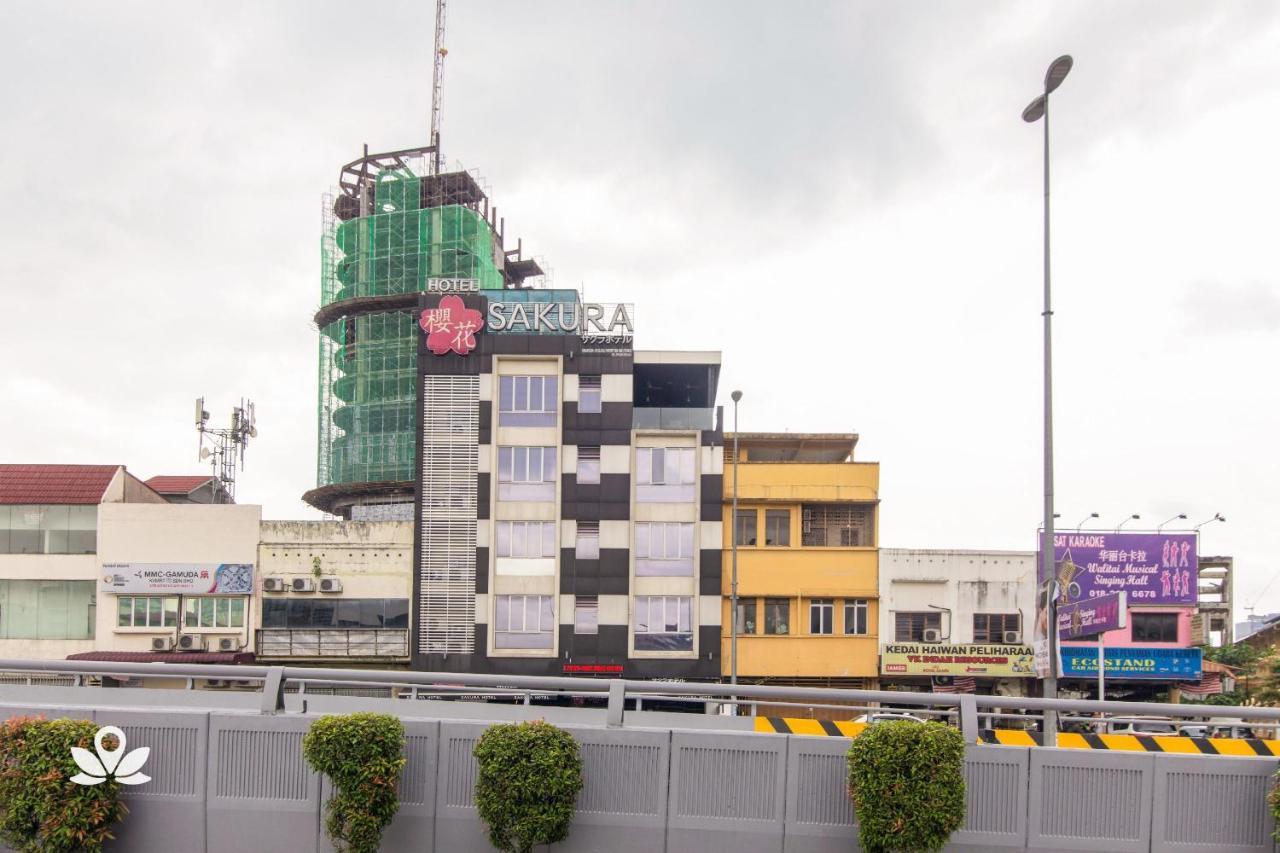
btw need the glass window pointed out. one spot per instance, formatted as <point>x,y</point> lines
<point>47,610</point>
<point>777,527</point>
<point>48,529</point>
<point>526,539</point>
<point>523,621</point>
<point>586,615</point>
<point>222,612</point>
<point>340,613</point>
<point>527,400</point>
<point>746,616</point>
<point>1155,627</point>
<point>588,464</point>
<point>777,616</point>
<point>837,525</point>
<point>82,530</point>
<point>587,546</point>
<point>589,395</point>
<point>855,616</point>
<point>663,623</point>
<point>141,611</point>
<point>991,627</point>
<point>744,527</point>
<point>910,627</point>
<point>526,473</point>
<point>24,532</point>
<point>664,549</point>
<point>665,466</point>
<point>54,524</point>
<point>821,611</point>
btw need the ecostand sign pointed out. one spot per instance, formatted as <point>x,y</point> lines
<point>1169,664</point>
<point>178,578</point>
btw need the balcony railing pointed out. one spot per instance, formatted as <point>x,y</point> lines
<point>672,418</point>
<point>333,643</point>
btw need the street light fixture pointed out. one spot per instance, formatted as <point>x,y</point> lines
<point>1126,520</point>
<point>1181,515</point>
<point>733,588</point>
<point>1083,520</point>
<point>1217,516</point>
<point>1036,110</point>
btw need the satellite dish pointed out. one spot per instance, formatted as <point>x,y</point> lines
<point>253,432</point>
<point>204,453</point>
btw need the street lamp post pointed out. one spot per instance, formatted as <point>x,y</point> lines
<point>1161,526</point>
<point>733,583</point>
<point>1217,516</point>
<point>1126,520</point>
<point>1091,515</point>
<point>1036,110</point>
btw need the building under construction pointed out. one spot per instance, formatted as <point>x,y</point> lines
<point>394,222</point>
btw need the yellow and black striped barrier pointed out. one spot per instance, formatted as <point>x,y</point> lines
<point>1248,747</point>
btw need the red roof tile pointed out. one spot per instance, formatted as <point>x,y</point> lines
<point>180,485</point>
<point>55,484</point>
<point>167,657</point>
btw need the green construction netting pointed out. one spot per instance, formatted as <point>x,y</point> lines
<point>368,395</point>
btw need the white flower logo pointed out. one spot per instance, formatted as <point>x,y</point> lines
<point>110,763</point>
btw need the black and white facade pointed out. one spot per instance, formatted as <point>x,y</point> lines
<point>569,497</point>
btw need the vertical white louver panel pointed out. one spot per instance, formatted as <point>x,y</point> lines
<point>447,562</point>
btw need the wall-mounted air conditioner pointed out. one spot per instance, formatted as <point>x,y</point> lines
<point>227,644</point>
<point>161,644</point>
<point>1012,637</point>
<point>303,585</point>
<point>273,585</point>
<point>191,643</point>
<point>330,585</point>
<point>932,635</point>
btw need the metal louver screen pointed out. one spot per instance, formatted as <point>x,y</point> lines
<point>447,561</point>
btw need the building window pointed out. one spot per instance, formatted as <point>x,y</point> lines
<point>588,395</point>
<point>991,627</point>
<point>855,616</point>
<point>208,612</point>
<point>527,473</point>
<point>523,622</point>
<point>588,464</point>
<point>587,546</point>
<point>334,613</point>
<point>47,610</point>
<point>821,615</point>
<point>665,474</point>
<point>837,525</point>
<point>137,611</point>
<point>910,627</point>
<point>777,615</point>
<point>1155,627</point>
<point>586,615</point>
<point>664,623</point>
<point>746,616</point>
<point>48,529</point>
<point>527,401</point>
<point>745,523</point>
<point>777,528</point>
<point>664,549</point>
<point>526,539</point>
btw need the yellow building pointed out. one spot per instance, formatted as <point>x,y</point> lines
<point>808,560</point>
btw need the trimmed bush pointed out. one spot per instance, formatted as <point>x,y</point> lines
<point>41,809</point>
<point>1273,800</point>
<point>528,784</point>
<point>363,755</point>
<point>907,784</point>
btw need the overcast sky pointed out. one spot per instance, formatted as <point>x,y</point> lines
<point>841,197</point>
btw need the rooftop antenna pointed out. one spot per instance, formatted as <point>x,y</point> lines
<point>225,447</point>
<point>437,86</point>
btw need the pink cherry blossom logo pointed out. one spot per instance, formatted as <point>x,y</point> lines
<point>451,326</point>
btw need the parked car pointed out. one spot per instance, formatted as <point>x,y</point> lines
<point>1151,726</point>
<point>886,716</point>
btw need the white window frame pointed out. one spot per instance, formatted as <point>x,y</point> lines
<point>676,541</point>
<point>685,468</point>
<point>588,474</point>
<point>221,606</point>
<point>680,605</point>
<point>590,399</point>
<point>527,383</point>
<point>825,610</point>
<point>542,604</point>
<point>146,622</point>
<point>512,452</point>
<point>861,610</point>
<point>587,531</point>
<point>519,531</point>
<point>586,614</point>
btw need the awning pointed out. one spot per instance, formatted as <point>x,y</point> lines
<point>167,657</point>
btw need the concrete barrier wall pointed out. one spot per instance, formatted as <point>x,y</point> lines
<point>233,781</point>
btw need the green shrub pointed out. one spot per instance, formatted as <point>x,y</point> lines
<point>907,784</point>
<point>41,809</point>
<point>527,788</point>
<point>1273,800</point>
<point>362,754</point>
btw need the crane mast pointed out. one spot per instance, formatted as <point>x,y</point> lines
<point>437,86</point>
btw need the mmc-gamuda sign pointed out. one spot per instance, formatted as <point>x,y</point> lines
<point>588,319</point>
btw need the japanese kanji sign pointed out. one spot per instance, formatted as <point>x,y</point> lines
<point>451,326</point>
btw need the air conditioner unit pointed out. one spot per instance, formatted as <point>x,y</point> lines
<point>227,644</point>
<point>1012,637</point>
<point>330,585</point>
<point>932,635</point>
<point>190,643</point>
<point>161,644</point>
<point>273,584</point>
<point>304,585</point>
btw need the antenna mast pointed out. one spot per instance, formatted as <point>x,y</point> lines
<point>437,86</point>
<point>226,446</point>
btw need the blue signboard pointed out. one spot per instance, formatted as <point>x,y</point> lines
<point>1136,662</point>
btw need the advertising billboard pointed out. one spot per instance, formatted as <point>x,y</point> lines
<point>1169,664</point>
<point>178,578</point>
<point>966,659</point>
<point>1152,568</point>
<point>1090,617</point>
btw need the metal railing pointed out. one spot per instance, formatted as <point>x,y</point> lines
<point>333,642</point>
